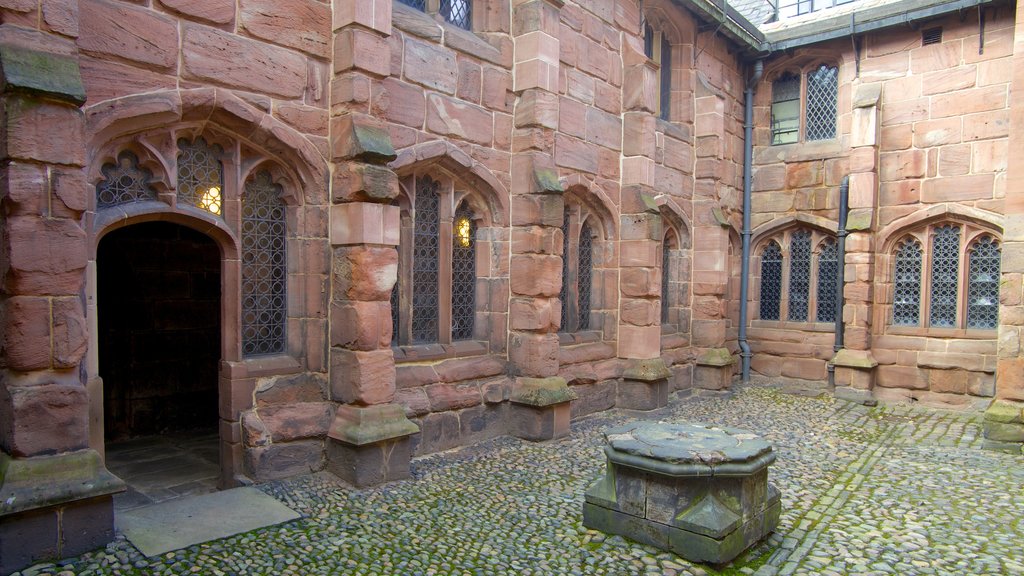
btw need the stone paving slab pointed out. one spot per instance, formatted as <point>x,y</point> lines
<point>181,523</point>
<point>885,490</point>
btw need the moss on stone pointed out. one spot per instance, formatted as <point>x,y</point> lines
<point>41,73</point>
<point>1005,412</point>
<point>542,392</point>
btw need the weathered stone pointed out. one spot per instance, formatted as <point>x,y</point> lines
<point>295,421</point>
<point>364,273</point>
<point>223,58</point>
<point>431,66</point>
<point>27,68</point>
<point>301,24</point>
<point>130,32</point>
<point>450,117</point>
<point>45,419</point>
<point>276,461</point>
<point>26,333</point>
<point>362,377</point>
<point>359,137</point>
<point>214,11</point>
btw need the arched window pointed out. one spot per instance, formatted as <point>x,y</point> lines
<point>435,298</point>
<point>666,272</point>
<point>816,107</point>
<point>124,183</point>
<point>463,274</point>
<point>828,267</point>
<point>786,269</point>
<point>771,281</point>
<point>959,274</point>
<point>577,273</point>
<point>264,267</point>
<point>201,175</point>
<point>425,265</point>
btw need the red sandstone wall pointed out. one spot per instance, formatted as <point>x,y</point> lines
<point>942,142</point>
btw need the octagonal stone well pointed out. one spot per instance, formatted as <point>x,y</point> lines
<point>696,490</point>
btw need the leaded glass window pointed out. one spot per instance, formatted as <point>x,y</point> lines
<point>906,306</point>
<point>200,175</point>
<point>458,12</point>
<point>648,40</point>
<point>463,274</point>
<point>264,268</point>
<point>828,271</point>
<point>124,183</point>
<point>425,266</point>
<point>665,273</point>
<point>584,272</point>
<point>786,109</point>
<point>799,275</point>
<point>417,4</point>
<point>771,282</point>
<point>945,276</point>
<point>822,90</point>
<point>983,283</point>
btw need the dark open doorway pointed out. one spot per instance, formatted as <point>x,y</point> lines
<point>159,300</point>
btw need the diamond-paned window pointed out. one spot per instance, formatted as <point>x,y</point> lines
<point>458,12</point>
<point>463,273</point>
<point>585,271</point>
<point>425,266</point>
<point>201,175</point>
<point>828,270</point>
<point>945,276</point>
<point>771,282</point>
<point>264,268</point>
<point>124,183</point>
<point>822,90</point>
<point>786,109</point>
<point>417,4</point>
<point>983,283</point>
<point>799,275</point>
<point>906,305</point>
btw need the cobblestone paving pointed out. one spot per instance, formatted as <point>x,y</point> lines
<point>884,490</point>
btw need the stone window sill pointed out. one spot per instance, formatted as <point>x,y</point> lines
<point>435,351</point>
<point>962,333</point>
<point>271,365</point>
<point>789,325</point>
<point>427,26</point>
<point>581,337</point>
<point>798,151</point>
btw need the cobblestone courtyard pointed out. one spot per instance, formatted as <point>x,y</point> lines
<point>885,490</point>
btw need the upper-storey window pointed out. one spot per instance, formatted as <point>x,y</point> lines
<point>658,48</point>
<point>457,12</point>
<point>807,99</point>
<point>798,277</point>
<point>946,276</point>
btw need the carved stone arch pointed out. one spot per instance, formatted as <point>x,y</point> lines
<point>675,219</point>
<point>666,17</point>
<point>802,62</point>
<point>209,110</point>
<point>595,202</point>
<point>279,175</point>
<point>200,221</point>
<point>471,174</point>
<point>148,158</point>
<point>477,204</point>
<point>769,229</point>
<point>896,230</point>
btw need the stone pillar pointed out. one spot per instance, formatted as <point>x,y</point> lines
<point>368,442</point>
<point>714,366</point>
<point>540,398</point>
<point>44,403</point>
<point>1004,419</point>
<point>854,365</point>
<point>644,384</point>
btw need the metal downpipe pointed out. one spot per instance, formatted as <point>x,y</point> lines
<point>748,160</point>
<point>841,233</point>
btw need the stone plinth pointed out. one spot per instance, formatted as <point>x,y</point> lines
<point>540,408</point>
<point>695,490</point>
<point>370,445</point>
<point>713,369</point>
<point>644,385</point>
